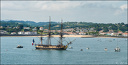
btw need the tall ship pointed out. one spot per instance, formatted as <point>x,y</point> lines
<point>48,45</point>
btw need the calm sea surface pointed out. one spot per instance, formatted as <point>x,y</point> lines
<point>94,55</point>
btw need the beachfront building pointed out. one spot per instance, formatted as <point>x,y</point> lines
<point>34,29</point>
<point>1,26</point>
<point>111,31</point>
<point>45,30</point>
<point>68,30</point>
<point>125,34</point>
<point>120,32</point>
<point>27,33</point>
<point>13,33</point>
<point>34,33</point>
<point>84,30</point>
<point>53,31</point>
<point>58,31</point>
<point>41,28</point>
<point>92,30</point>
<point>30,33</point>
<point>8,27</point>
<point>20,32</point>
<point>15,27</point>
<point>102,33</point>
<point>77,31</point>
<point>69,33</point>
<point>110,34</point>
<point>115,34</point>
<point>81,33</point>
<point>3,32</point>
<point>27,28</point>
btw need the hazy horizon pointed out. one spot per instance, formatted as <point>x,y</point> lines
<point>67,21</point>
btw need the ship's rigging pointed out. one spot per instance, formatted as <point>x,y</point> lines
<point>48,44</point>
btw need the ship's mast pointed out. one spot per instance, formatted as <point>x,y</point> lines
<point>61,33</point>
<point>41,38</point>
<point>49,32</point>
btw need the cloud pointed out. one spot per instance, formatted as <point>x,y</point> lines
<point>13,6</point>
<point>39,5</point>
<point>123,7</point>
<point>55,5</point>
<point>70,9</point>
<point>62,5</point>
<point>59,5</point>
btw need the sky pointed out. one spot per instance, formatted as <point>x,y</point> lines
<point>69,11</point>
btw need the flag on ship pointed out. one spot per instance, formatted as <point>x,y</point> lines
<point>33,42</point>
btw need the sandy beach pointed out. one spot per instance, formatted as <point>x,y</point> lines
<point>83,36</point>
<point>55,36</point>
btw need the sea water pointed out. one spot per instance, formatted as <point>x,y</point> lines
<point>94,55</point>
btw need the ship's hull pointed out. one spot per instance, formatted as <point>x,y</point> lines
<point>51,47</point>
<point>19,47</point>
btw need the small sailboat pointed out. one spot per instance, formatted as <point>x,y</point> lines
<point>117,49</point>
<point>70,47</point>
<point>19,46</point>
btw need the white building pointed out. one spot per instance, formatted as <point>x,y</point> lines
<point>34,33</point>
<point>41,28</point>
<point>102,33</point>
<point>3,32</point>
<point>30,33</point>
<point>68,30</point>
<point>1,26</point>
<point>13,33</point>
<point>27,33</point>
<point>85,30</point>
<point>125,34</point>
<point>34,29</point>
<point>20,32</point>
<point>27,28</point>
<point>92,30</point>
<point>81,33</point>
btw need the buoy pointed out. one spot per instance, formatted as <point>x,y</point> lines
<point>81,49</point>
<point>87,48</point>
<point>105,49</point>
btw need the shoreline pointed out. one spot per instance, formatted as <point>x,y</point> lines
<point>82,36</point>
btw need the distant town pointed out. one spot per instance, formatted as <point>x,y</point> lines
<point>69,29</point>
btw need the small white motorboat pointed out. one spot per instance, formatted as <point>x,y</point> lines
<point>70,47</point>
<point>87,48</point>
<point>105,49</point>
<point>117,49</point>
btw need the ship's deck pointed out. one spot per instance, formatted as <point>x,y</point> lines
<point>51,47</point>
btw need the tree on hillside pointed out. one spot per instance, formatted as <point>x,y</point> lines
<point>105,29</point>
<point>20,27</point>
